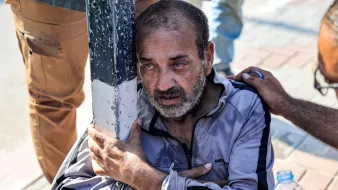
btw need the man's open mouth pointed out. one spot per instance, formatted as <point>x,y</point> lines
<point>168,99</point>
<point>169,96</point>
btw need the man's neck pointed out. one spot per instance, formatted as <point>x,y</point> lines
<point>182,128</point>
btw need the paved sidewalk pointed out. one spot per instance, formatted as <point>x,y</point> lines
<point>280,36</point>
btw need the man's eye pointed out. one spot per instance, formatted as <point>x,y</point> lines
<point>148,66</point>
<point>179,65</point>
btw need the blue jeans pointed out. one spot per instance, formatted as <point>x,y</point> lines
<point>225,23</point>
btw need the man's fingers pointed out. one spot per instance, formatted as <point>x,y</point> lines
<point>97,136</point>
<point>96,157</point>
<point>254,81</point>
<point>238,77</point>
<point>94,147</point>
<point>135,131</point>
<point>221,183</point>
<point>231,77</point>
<point>197,172</point>
<point>97,168</point>
<point>248,70</point>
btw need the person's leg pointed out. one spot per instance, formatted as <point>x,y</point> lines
<point>225,22</point>
<point>54,46</point>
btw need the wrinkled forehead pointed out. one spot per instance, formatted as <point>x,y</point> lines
<point>167,40</point>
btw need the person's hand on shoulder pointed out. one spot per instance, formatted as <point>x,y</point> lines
<point>269,88</point>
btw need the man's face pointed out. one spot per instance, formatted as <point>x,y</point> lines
<point>328,55</point>
<point>172,74</point>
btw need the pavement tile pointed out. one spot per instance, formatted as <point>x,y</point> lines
<point>315,181</point>
<point>284,73</point>
<point>256,52</point>
<point>281,149</point>
<point>16,173</point>
<point>314,147</point>
<point>329,100</point>
<point>280,165</point>
<point>298,60</point>
<point>305,92</point>
<point>243,61</point>
<point>285,137</point>
<point>299,82</point>
<point>279,50</point>
<point>274,61</point>
<point>309,50</point>
<point>278,40</point>
<point>39,184</point>
<point>311,162</point>
<point>334,184</point>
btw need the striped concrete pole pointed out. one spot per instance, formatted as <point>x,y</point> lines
<point>112,63</point>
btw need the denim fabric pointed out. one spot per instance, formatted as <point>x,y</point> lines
<point>75,5</point>
<point>225,23</point>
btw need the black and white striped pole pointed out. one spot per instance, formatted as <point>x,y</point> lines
<point>113,67</point>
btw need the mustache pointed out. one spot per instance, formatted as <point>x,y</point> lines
<point>173,91</point>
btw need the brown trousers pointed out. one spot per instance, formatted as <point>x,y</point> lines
<point>54,46</point>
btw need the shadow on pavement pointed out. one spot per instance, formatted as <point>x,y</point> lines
<point>287,138</point>
<point>282,25</point>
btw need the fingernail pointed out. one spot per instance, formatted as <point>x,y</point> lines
<point>245,76</point>
<point>139,122</point>
<point>208,165</point>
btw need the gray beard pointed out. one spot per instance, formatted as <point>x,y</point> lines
<point>188,102</point>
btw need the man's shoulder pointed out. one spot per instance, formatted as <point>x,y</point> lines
<point>242,88</point>
<point>241,94</point>
<point>245,99</point>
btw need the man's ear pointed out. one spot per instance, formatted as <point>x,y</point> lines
<point>209,57</point>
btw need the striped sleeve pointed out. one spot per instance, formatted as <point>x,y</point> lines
<point>252,156</point>
<point>76,171</point>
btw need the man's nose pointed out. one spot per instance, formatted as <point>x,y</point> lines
<point>165,81</point>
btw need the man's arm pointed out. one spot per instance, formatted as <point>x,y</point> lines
<point>77,172</point>
<point>251,159</point>
<point>98,161</point>
<point>319,121</point>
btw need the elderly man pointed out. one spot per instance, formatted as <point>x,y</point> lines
<point>319,121</point>
<point>195,128</point>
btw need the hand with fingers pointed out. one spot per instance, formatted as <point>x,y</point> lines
<point>269,88</point>
<point>199,171</point>
<point>126,161</point>
<point>123,161</point>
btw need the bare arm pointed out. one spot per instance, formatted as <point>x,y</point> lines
<point>319,121</point>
